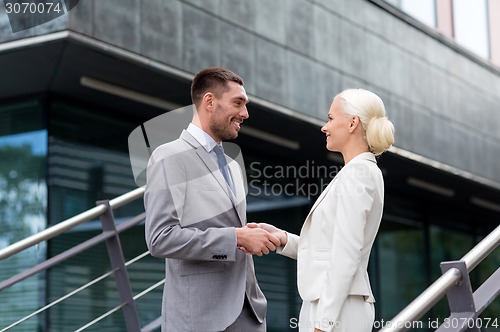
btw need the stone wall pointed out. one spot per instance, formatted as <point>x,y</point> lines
<point>300,53</point>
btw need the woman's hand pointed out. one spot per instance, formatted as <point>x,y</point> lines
<point>279,233</point>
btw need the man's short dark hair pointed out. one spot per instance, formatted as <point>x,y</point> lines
<point>212,79</point>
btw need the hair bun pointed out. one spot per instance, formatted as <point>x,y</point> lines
<point>379,134</point>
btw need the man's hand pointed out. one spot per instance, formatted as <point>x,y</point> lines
<point>256,241</point>
<point>279,233</point>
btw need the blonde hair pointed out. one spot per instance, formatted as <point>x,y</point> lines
<point>379,130</point>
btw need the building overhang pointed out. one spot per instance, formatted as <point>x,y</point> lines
<point>70,65</point>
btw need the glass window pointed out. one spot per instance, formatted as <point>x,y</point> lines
<point>445,245</point>
<point>401,263</point>
<point>422,10</point>
<point>479,275</point>
<point>277,194</point>
<point>470,24</point>
<point>23,197</point>
<point>89,161</point>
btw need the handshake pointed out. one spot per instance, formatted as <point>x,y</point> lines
<point>260,238</point>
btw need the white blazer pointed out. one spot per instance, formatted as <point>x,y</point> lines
<point>334,246</point>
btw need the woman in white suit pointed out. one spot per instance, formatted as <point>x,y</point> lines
<point>334,245</point>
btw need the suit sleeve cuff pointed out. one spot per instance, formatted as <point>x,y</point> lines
<point>291,246</point>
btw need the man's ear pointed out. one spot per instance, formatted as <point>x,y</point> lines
<point>208,100</point>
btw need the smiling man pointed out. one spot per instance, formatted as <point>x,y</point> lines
<point>196,217</point>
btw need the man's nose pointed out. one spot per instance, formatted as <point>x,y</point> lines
<point>244,113</point>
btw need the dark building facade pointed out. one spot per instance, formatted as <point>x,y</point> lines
<point>73,89</point>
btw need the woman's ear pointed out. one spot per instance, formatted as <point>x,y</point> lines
<point>354,123</point>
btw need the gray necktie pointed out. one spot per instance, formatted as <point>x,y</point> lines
<point>221,160</point>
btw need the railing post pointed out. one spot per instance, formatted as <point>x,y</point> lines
<point>453,275</point>
<point>461,302</point>
<point>121,276</point>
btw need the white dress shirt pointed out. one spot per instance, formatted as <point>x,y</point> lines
<point>208,144</point>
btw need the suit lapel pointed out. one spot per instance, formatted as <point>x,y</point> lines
<point>203,154</point>
<point>320,198</point>
<point>209,164</point>
<point>239,197</point>
<point>363,156</point>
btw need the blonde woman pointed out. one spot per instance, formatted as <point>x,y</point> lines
<point>334,245</point>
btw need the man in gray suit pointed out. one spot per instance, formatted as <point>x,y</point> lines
<point>196,217</point>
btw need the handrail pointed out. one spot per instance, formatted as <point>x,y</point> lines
<point>70,223</point>
<point>50,262</point>
<point>482,249</point>
<point>59,300</point>
<point>414,311</point>
<point>435,292</point>
<point>423,302</point>
<point>79,289</point>
<point>110,235</point>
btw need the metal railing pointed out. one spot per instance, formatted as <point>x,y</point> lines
<point>465,306</point>
<point>454,282</point>
<point>110,235</point>
<point>70,223</point>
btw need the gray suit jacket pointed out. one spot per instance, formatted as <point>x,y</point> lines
<point>190,218</point>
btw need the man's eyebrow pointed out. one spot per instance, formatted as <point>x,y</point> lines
<point>239,98</point>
